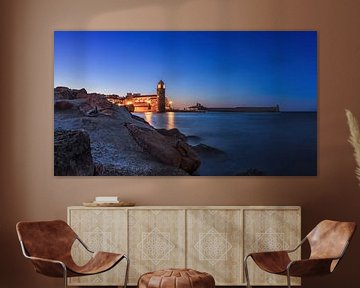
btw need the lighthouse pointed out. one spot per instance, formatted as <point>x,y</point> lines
<point>161,96</point>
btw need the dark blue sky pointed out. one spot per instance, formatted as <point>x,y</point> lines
<point>214,68</point>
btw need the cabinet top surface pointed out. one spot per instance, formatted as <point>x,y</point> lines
<point>193,207</point>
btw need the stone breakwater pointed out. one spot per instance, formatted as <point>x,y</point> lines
<point>95,137</point>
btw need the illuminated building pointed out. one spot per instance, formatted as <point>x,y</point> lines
<point>137,102</point>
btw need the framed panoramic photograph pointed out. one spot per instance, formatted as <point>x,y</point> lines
<point>179,103</point>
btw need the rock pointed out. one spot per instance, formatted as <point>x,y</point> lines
<point>99,103</point>
<point>208,150</point>
<point>166,149</point>
<point>174,132</point>
<point>80,93</point>
<point>69,94</point>
<point>85,107</point>
<point>89,102</point>
<point>108,170</point>
<point>112,170</point>
<point>138,118</point>
<point>72,153</point>
<point>93,113</point>
<point>114,149</point>
<point>64,93</point>
<point>63,105</point>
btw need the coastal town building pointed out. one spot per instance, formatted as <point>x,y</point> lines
<point>137,102</point>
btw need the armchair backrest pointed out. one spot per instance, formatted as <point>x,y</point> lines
<point>46,239</point>
<point>329,239</point>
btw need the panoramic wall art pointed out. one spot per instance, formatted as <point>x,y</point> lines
<point>201,103</point>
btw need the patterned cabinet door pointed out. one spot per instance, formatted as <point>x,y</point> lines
<point>214,244</point>
<point>101,230</point>
<point>156,240</point>
<point>271,230</point>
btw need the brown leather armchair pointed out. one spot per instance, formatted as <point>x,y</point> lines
<point>48,245</point>
<point>328,242</point>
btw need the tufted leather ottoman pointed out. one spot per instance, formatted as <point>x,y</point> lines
<point>176,278</point>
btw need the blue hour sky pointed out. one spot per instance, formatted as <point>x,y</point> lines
<point>217,69</point>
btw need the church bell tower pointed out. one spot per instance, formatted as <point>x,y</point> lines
<point>161,96</point>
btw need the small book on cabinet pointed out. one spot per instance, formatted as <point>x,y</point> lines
<point>106,199</point>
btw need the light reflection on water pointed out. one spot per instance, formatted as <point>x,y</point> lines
<point>147,116</point>
<point>167,121</point>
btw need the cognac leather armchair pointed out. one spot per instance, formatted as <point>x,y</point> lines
<point>328,242</point>
<point>48,245</point>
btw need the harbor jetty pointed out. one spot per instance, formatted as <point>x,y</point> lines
<point>247,109</point>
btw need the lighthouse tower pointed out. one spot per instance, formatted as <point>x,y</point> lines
<point>161,96</point>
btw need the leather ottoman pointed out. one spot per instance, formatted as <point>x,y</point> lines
<point>176,278</point>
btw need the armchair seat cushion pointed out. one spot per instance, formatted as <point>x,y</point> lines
<point>99,262</point>
<point>272,262</point>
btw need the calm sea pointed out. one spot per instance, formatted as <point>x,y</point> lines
<point>272,143</point>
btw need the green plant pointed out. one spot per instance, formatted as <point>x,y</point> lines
<point>354,140</point>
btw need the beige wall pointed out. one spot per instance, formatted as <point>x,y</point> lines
<point>29,191</point>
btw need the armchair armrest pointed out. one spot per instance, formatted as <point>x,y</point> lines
<point>49,267</point>
<point>314,266</point>
<point>83,244</point>
<point>298,246</point>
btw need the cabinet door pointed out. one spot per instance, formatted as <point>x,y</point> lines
<point>271,230</point>
<point>100,230</point>
<point>156,240</point>
<point>214,244</point>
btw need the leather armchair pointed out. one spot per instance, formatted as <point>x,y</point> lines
<point>328,242</point>
<point>48,245</point>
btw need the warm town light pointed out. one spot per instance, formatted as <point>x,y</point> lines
<point>144,103</point>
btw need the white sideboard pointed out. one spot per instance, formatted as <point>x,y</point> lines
<point>212,239</point>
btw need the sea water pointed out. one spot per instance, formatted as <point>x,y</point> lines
<point>274,144</point>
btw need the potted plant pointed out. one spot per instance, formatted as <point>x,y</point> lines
<point>354,140</point>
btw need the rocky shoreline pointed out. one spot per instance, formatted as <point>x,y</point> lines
<point>95,137</point>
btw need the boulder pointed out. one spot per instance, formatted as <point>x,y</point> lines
<point>108,170</point>
<point>63,105</point>
<point>72,153</point>
<point>167,149</point>
<point>82,93</point>
<point>96,102</point>
<point>64,93</point>
<point>174,132</point>
<point>82,118</point>
<point>61,92</point>
<point>138,118</point>
<point>160,170</point>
